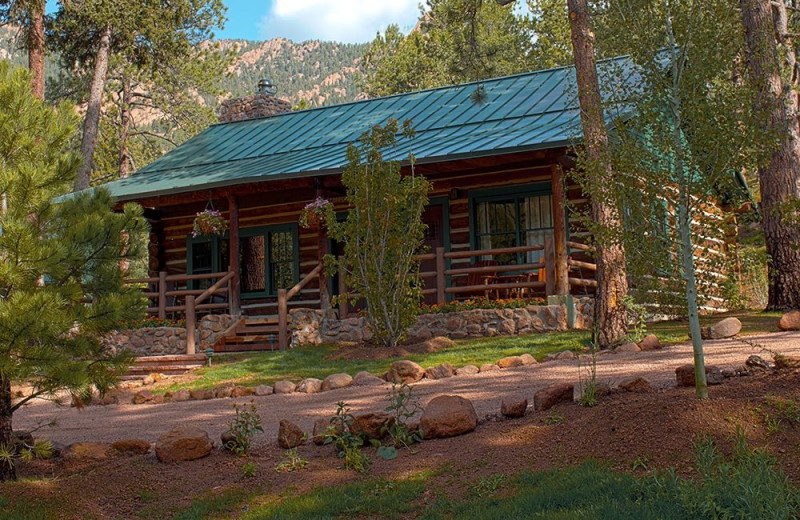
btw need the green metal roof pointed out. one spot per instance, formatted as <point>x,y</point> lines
<point>530,111</point>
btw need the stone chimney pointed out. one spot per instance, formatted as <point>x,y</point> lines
<point>263,104</point>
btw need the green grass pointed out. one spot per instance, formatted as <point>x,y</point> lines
<point>310,361</point>
<point>251,369</point>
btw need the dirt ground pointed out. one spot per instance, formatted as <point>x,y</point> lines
<point>641,432</point>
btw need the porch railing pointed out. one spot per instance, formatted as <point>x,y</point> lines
<point>284,296</point>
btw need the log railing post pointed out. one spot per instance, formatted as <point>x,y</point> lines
<point>549,266</point>
<point>190,325</point>
<point>283,327</point>
<point>234,287</point>
<point>162,294</point>
<point>441,281</point>
<point>560,232</point>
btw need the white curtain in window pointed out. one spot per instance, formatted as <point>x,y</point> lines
<point>538,221</point>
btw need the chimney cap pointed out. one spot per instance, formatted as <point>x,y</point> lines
<point>265,86</point>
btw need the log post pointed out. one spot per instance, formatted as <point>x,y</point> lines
<point>162,294</point>
<point>441,282</point>
<point>342,296</point>
<point>190,325</point>
<point>233,254</point>
<point>560,232</point>
<point>283,327</point>
<point>549,266</point>
<point>322,250</point>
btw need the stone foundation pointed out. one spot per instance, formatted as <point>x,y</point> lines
<point>163,341</point>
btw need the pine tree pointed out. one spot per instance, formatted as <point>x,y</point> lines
<point>61,282</point>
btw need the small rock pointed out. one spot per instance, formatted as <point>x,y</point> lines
<point>550,396</point>
<point>322,427</point>
<point>262,390</point>
<point>527,359</point>
<point>310,385</point>
<point>635,384</point>
<point>489,367</point>
<point>336,381</point>
<point>564,354</point>
<point>369,425</point>
<point>143,396</point>
<point>284,387</point>
<point>184,443</point>
<point>684,375</point>
<point>447,416</point>
<point>758,363</point>
<point>650,342</point>
<point>628,347</point>
<point>108,399</point>
<point>442,371</point>
<point>88,450</point>
<point>467,370</point>
<point>131,447</point>
<point>405,371</point>
<point>222,392</point>
<point>366,379</point>
<point>148,380</point>
<point>227,439</point>
<point>158,399</point>
<point>242,391</point>
<point>290,435</point>
<point>201,395</point>
<point>729,372</point>
<point>181,395</point>
<point>511,361</point>
<point>790,321</point>
<point>514,406</point>
<point>726,328</point>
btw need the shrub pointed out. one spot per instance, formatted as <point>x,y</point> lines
<point>347,445</point>
<point>243,427</point>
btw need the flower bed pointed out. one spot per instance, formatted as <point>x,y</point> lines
<point>480,303</point>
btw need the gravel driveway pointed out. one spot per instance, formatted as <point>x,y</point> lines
<point>485,390</point>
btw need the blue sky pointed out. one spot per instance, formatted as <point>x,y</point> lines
<point>351,21</point>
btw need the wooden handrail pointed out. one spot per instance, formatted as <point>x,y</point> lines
<point>492,252</point>
<point>283,305</point>
<point>494,269</point>
<point>578,245</point>
<point>302,283</point>
<point>214,288</point>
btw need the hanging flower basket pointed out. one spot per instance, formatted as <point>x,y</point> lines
<point>313,213</point>
<point>209,222</point>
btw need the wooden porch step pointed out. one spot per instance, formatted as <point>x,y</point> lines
<point>246,347</point>
<point>257,329</point>
<point>250,339</point>
<point>169,365</point>
<point>162,369</point>
<point>180,358</point>
<point>261,320</point>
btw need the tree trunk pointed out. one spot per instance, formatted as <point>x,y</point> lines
<point>36,49</point>
<point>91,123</point>
<point>125,131</point>
<point>612,284</point>
<point>7,471</point>
<point>777,104</point>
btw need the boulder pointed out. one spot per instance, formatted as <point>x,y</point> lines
<point>628,347</point>
<point>262,390</point>
<point>131,447</point>
<point>222,392</point>
<point>369,425</point>
<point>405,371</point>
<point>527,359</point>
<point>650,342</point>
<point>89,450</point>
<point>290,435</point>
<point>442,371</point>
<point>322,427</point>
<point>447,416</point>
<point>514,406</point>
<point>201,395</point>
<point>181,395</point>
<point>511,361</point>
<point>726,328</point>
<point>284,387</point>
<point>564,354</point>
<point>790,321</point>
<point>635,384</point>
<point>143,396</point>
<point>366,379</point>
<point>336,381</point>
<point>242,391</point>
<point>467,370</point>
<point>489,367</point>
<point>184,443</point>
<point>684,375</point>
<point>549,396</point>
<point>310,385</point>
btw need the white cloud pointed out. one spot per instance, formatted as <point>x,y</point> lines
<point>352,21</point>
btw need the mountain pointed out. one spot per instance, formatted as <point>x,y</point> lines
<point>314,71</point>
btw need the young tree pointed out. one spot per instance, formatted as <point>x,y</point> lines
<point>30,15</point>
<point>150,36</point>
<point>60,278</point>
<point>599,181</point>
<point>690,133</point>
<point>776,102</point>
<point>382,233</point>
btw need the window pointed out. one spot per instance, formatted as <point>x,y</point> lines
<point>268,259</point>
<point>510,219</point>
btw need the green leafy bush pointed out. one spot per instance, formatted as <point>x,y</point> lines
<point>347,445</point>
<point>242,428</point>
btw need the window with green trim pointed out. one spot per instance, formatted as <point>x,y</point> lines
<point>268,258</point>
<point>510,218</point>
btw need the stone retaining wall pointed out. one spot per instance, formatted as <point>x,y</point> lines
<point>161,341</point>
<point>311,326</point>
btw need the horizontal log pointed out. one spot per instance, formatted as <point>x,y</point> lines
<point>582,265</point>
<point>491,252</point>
<point>302,283</point>
<point>426,256</point>
<point>426,292</point>
<point>494,269</point>
<point>141,280</point>
<point>193,292</point>
<point>427,274</point>
<point>580,282</point>
<point>495,286</point>
<point>187,277</point>
<point>578,245</point>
